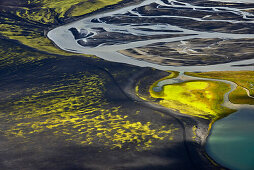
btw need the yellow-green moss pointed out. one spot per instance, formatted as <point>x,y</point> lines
<point>196,98</point>
<point>32,39</point>
<point>42,15</point>
<point>75,7</point>
<point>194,129</point>
<point>75,108</point>
<point>240,96</point>
<point>241,78</point>
<point>172,74</point>
<point>45,12</point>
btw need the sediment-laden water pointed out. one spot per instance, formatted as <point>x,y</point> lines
<point>105,34</point>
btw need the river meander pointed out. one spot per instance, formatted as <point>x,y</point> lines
<point>231,140</point>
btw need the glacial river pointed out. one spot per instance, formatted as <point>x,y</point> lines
<point>231,140</point>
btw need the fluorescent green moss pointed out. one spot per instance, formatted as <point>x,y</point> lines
<point>89,6</point>
<point>196,98</point>
<point>42,15</point>
<point>241,78</point>
<point>81,7</point>
<point>47,10</point>
<point>75,109</point>
<point>172,74</point>
<point>194,129</point>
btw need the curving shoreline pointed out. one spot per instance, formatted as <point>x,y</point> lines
<point>197,153</point>
<point>208,140</point>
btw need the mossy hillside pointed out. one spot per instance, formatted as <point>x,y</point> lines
<point>63,8</point>
<point>76,7</point>
<point>27,22</point>
<point>29,34</point>
<point>15,56</point>
<point>54,11</point>
<point>196,98</point>
<point>241,78</point>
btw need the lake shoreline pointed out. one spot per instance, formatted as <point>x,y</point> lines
<point>197,148</point>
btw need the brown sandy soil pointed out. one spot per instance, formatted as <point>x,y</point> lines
<point>194,52</point>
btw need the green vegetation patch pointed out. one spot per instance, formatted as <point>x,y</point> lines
<point>76,109</point>
<point>15,56</point>
<point>140,91</point>
<point>28,21</point>
<point>30,35</point>
<point>239,96</point>
<point>196,98</point>
<point>244,79</point>
<point>76,7</point>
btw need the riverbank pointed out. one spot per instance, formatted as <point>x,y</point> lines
<point>222,145</point>
<point>108,8</point>
<point>196,130</point>
<point>117,26</point>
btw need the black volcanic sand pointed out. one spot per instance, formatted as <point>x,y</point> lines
<point>46,150</point>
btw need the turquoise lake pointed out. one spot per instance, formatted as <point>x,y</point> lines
<point>231,141</point>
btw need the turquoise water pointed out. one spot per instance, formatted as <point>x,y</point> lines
<point>231,141</point>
